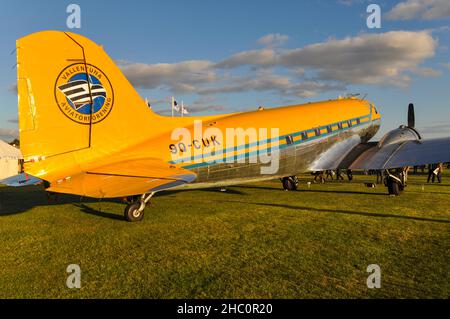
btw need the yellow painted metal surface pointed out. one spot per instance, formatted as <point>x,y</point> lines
<point>59,143</point>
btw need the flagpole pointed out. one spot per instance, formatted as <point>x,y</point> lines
<point>173,99</point>
<point>182,108</point>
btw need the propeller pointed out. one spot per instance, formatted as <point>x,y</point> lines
<point>411,117</point>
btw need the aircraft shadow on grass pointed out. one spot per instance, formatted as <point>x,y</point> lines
<point>15,201</point>
<point>19,200</point>
<point>97,212</point>
<point>307,190</point>
<point>346,212</point>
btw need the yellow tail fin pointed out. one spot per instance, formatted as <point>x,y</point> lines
<point>74,103</point>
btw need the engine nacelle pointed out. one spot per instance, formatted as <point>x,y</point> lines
<point>401,134</point>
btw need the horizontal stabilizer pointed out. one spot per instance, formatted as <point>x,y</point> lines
<point>124,178</point>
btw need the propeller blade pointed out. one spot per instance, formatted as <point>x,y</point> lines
<point>411,117</point>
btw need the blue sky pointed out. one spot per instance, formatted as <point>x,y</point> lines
<point>213,54</point>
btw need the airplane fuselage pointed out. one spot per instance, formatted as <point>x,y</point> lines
<point>307,135</point>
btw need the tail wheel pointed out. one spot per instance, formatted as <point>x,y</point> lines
<point>133,212</point>
<point>289,183</point>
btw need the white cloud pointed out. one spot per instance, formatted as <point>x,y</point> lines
<point>390,58</point>
<point>434,131</point>
<point>263,57</point>
<point>13,88</point>
<point>273,39</point>
<point>427,72</point>
<point>366,59</point>
<point>8,134</point>
<point>178,77</point>
<point>202,104</point>
<point>267,81</point>
<point>197,108</point>
<point>422,9</point>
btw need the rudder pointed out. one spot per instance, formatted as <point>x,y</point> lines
<point>73,102</point>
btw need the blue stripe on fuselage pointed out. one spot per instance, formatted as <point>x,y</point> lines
<point>280,138</point>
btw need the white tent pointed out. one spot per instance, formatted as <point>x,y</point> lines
<point>9,160</point>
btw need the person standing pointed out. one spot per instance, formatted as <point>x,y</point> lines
<point>319,174</point>
<point>430,173</point>
<point>349,174</point>
<point>379,176</point>
<point>339,174</point>
<point>440,169</point>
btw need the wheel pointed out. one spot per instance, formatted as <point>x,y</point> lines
<point>289,183</point>
<point>132,213</point>
<point>393,187</point>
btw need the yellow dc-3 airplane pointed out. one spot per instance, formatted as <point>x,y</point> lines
<point>84,130</point>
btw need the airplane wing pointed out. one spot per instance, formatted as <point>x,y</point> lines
<point>408,153</point>
<point>124,178</point>
<point>367,156</point>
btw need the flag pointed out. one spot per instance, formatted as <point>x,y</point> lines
<point>148,103</point>
<point>183,109</point>
<point>175,106</point>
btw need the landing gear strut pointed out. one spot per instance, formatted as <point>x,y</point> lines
<point>395,180</point>
<point>290,183</point>
<point>134,212</point>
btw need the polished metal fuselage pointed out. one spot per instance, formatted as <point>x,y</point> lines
<point>293,159</point>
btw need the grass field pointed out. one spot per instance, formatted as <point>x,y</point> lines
<point>253,241</point>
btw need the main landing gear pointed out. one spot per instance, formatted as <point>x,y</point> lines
<point>395,180</point>
<point>134,211</point>
<point>290,183</point>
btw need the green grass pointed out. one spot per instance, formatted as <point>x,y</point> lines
<point>254,241</point>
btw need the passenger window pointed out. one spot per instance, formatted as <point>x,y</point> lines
<point>289,139</point>
<point>317,131</point>
<point>304,136</point>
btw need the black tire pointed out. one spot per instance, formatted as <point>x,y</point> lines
<point>393,187</point>
<point>132,213</point>
<point>289,183</point>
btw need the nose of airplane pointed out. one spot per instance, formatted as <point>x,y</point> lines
<point>375,114</point>
<point>370,132</point>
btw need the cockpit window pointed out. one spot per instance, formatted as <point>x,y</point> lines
<point>375,109</point>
